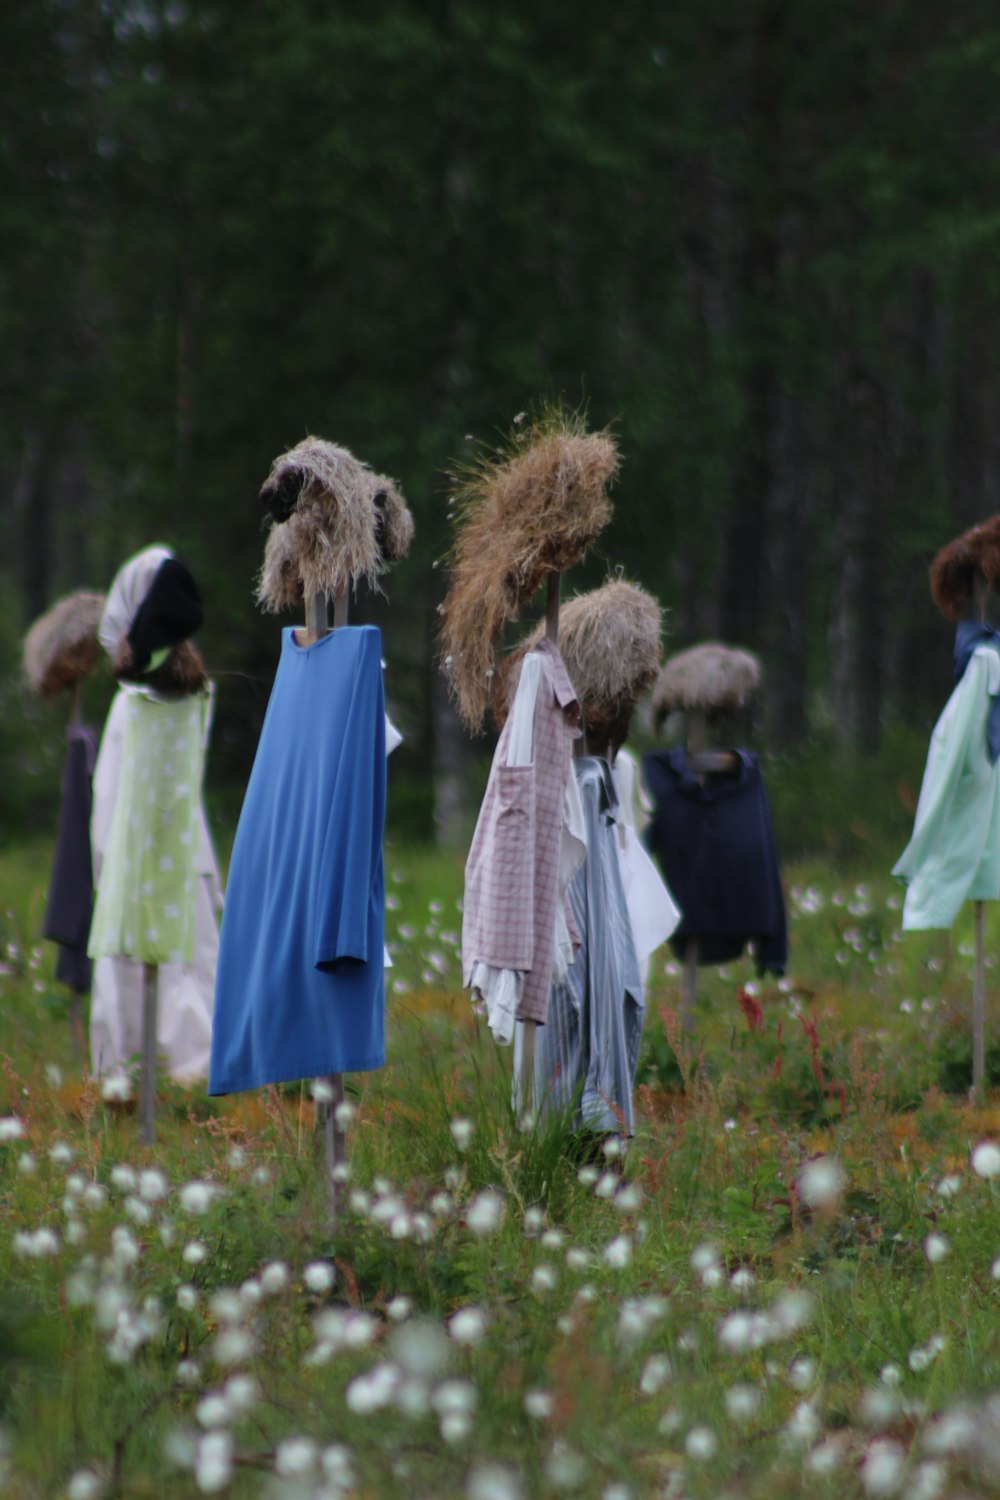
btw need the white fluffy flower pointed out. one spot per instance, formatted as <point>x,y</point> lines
<point>544,1279</point>
<point>468,1325</point>
<point>318,1276</point>
<point>198,1196</point>
<point>124,1178</point>
<point>194,1253</point>
<point>84,1485</point>
<point>213,1410</point>
<point>742,1401</point>
<point>11,1128</point>
<point>986,1159</point>
<point>882,1468</point>
<point>187,1297</point>
<point>274,1278</point>
<point>153,1185</point>
<point>295,1457</point>
<point>655,1373</point>
<point>701,1444</point>
<point>822,1182</point>
<point>936,1247</point>
<point>485,1213</point>
<point>399,1309</point>
<point>214,1462</point>
<point>494,1482</point>
<point>538,1404</point>
<point>618,1252</point>
<point>461,1133</point>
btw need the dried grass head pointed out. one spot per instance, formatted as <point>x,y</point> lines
<point>972,560</point>
<point>336,521</point>
<point>609,640</point>
<point>711,679</point>
<point>529,509</point>
<point>62,646</point>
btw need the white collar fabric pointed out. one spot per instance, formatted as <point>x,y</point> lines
<point>132,583</point>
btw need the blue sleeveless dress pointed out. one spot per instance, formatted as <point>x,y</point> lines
<point>300,985</point>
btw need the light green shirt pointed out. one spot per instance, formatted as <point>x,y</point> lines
<point>145,896</point>
<point>954,854</point>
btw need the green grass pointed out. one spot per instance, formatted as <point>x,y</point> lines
<point>855,1346</point>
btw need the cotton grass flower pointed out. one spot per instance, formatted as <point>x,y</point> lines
<point>484,1214</point>
<point>275,1278</point>
<point>318,1276</point>
<point>701,1444</point>
<point>618,1252</point>
<point>538,1404</point>
<point>742,1402</point>
<point>399,1309</point>
<point>84,1485</point>
<point>821,1182</point>
<point>882,1468</point>
<point>27,1164</point>
<point>986,1159</point>
<point>936,1247</point>
<point>153,1185</point>
<point>372,1391</point>
<point>468,1325</point>
<point>198,1196</point>
<point>194,1253</point>
<point>124,1179</point>
<point>565,1468</point>
<point>656,1372</point>
<point>214,1462</point>
<point>494,1482</point>
<point>296,1457</point>
<point>11,1129</point>
<point>544,1279</point>
<point>187,1297</point>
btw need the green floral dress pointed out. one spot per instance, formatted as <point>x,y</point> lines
<point>145,896</point>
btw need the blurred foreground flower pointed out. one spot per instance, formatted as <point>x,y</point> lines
<point>986,1159</point>
<point>822,1182</point>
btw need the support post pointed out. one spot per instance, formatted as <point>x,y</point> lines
<point>333,1132</point>
<point>147,1078</point>
<point>526,1072</point>
<point>979,1007</point>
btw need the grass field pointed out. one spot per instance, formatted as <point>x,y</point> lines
<point>789,1285</point>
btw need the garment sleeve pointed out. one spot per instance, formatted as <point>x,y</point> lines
<point>771,948</point>
<point>351,858</point>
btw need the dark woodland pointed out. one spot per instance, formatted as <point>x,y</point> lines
<point>757,237</point>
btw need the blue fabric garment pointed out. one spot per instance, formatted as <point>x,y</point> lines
<point>715,845</point>
<point>968,636</point>
<point>300,985</point>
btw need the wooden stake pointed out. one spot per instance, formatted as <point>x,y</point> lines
<point>979,1008</point>
<point>147,1077</point>
<point>334,1133</point>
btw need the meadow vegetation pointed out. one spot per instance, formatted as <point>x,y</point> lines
<point>789,1281</point>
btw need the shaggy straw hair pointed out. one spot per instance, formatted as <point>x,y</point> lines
<point>337,522</point>
<point>973,557</point>
<point>609,640</point>
<point>531,508</point>
<point>709,679</point>
<point>61,647</point>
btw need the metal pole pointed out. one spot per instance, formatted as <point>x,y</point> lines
<point>979,1007</point>
<point>147,1079</point>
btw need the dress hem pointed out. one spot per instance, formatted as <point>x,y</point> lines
<point>233,1086</point>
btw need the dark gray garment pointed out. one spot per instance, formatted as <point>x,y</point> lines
<point>71,889</point>
<point>587,1052</point>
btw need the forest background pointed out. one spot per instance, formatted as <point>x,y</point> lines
<point>759,237</point>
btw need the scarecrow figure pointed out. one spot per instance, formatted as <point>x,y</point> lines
<point>60,651</point>
<point>587,1053</point>
<point>525,514</point>
<point>711,830</point>
<point>300,990</point>
<point>158,891</point>
<point>954,854</point>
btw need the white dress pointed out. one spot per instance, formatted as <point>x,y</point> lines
<point>186,990</point>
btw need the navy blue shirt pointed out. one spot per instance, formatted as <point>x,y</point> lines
<point>715,845</point>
